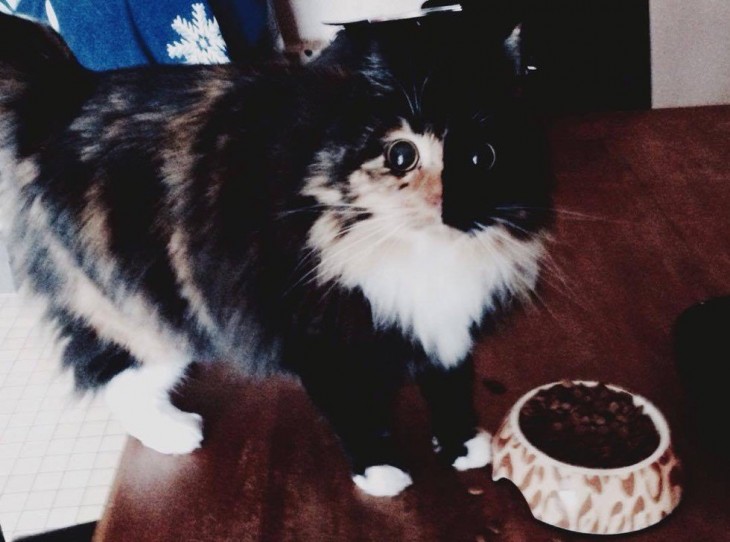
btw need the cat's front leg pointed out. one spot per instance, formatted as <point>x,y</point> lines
<point>457,438</point>
<point>139,399</point>
<point>357,398</point>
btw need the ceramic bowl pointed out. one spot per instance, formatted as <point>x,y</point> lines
<point>589,500</point>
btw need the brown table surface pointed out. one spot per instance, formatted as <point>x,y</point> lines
<point>643,232</point>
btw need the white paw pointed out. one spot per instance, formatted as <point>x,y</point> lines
<point>139,399</point>
<point>382,481</point>
<point>478,452</point>
<point>167,429</point>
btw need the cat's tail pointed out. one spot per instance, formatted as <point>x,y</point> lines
<point>40,80</point>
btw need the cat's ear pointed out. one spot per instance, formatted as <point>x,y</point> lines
<point>31,47</point>
<point>361,47</point>
<point>488,20</point>
<point>353,43</point>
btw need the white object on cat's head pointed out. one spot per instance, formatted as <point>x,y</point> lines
<point>312,20</point>
<point>401,16</point>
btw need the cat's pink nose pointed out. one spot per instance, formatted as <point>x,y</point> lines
<point>435,198</point>
<point>430,188</point>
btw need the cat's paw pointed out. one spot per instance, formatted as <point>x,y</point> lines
<point>478,452</point>
<point>167,430</point>
<point>382,480</point>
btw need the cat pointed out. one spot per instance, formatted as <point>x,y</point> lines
<point>353,222</point>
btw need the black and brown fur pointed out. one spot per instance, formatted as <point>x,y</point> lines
<point>165,211</point>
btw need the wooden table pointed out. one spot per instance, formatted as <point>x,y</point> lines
<point>642,233</point>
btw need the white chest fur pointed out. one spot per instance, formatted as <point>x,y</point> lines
<point>433,284</point>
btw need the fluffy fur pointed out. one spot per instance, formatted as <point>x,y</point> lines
<point>178,214</point>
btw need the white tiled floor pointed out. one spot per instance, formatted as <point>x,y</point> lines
<point>58,453</point>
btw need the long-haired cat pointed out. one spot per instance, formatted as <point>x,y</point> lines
<point>352,222</point>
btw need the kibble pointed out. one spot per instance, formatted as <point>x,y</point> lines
<point>588,426</point>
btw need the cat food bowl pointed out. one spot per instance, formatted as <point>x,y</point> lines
<point>589,458</point>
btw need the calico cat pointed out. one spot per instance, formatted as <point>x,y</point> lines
<point>352,222</point>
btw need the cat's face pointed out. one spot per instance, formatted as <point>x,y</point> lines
<point>434,225</point>
<point>433,194</point>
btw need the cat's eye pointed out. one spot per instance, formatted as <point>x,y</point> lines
<point>484,157</point>
<point>401,155</point>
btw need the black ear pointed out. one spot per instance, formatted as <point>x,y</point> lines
<point>31,47</point>
<point>41,82</point>
<point>477,33</point>
<point>493,21</point>
<point>356,48</point>
<point>495,17</point>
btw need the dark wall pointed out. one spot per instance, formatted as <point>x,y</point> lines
<point>591,55</point>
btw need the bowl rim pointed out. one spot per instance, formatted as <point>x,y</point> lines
<point>660,423</point>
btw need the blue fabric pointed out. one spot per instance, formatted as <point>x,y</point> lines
<point>249,18</point>
<point>109,34</point>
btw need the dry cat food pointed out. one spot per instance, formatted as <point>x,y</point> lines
<point>588,426</point>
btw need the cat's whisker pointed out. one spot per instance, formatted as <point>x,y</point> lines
<point>347,247</point>
<point>553,276</point>
<point>403,90</point>
<point>323,206</point>
<point>415,98</point>
<point>555,283</point>
<point>481,118</point>
<point>549,263</point>
<point>389,233</point>
<point>550,273</point>
<point>566,213</point>
<point>423,89</point>
<point>511,224</point>
<point>372,220</point>
<point>527,285</point>
<point>535,295</point>
<point>310,253</point>
<point>562,288</point>
<point>305,258</point>
<point>521,287</point>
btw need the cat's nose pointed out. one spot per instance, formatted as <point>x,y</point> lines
<point>429,187</point>
<point>434,198</point>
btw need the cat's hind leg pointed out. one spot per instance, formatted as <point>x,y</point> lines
<point>137,393</point>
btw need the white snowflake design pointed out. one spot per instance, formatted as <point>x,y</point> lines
<point>201,41</point>
<point>10,7</point>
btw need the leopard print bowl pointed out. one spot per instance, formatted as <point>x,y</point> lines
<point>589,500</point>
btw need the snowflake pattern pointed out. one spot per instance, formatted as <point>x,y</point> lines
<point>201,40</point>
<point>9,6</point>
